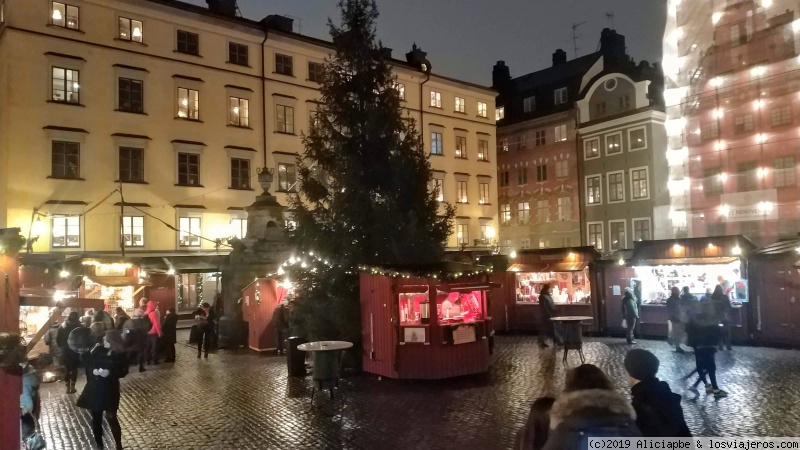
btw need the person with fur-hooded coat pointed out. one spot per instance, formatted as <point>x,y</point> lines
<point>589,408</point>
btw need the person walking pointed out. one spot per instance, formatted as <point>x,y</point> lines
<point>630,313</point>
<point>120,317</point>
<point>723,310</point>
<point>51,341</point>
<point>135,338</point>
<point>168,335</point>
<point>533,436</point>
<point>104,365</point>
<point>547,310</point>
<point>86,320</point>
<point>703,330</point>
<point>658,409</point>
<point>282,324</point>
<point>154,333</point>
<point>676,319</point>
<point>70,360</point>
<point>204,319</point>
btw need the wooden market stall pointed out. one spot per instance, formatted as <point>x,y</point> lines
<point>775,289</point>
<point>426,322</point>
<point>259,300</point>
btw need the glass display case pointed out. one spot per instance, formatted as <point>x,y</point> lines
<point>565,287</point>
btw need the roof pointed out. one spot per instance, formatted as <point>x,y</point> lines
<point>571,69</point>
<point>780,248</point>
<point>681,251</point>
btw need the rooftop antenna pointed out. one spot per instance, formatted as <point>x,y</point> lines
<point>610,17</point>
<point>575,37</point>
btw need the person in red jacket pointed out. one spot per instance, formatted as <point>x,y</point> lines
<point>154,333</point>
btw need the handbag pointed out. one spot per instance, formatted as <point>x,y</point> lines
<point>624,323</point>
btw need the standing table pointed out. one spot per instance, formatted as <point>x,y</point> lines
<point>327,358</point>
<point>573,334</point>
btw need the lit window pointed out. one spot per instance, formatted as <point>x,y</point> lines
<point>133,231</point>
<point>438,188</point>
<point>595,232</point>
<point>131,95</point>
<point>238,54</point>
<point>617,235</point>
<point>287,178</point>
<point>593,190</point>
<point>641,229</point>
<point>499,113</point>
<point>785,171</point>
<point>523,212</point>
<point>522,175</point>
<point>528,104</point>
<point>482,109</point>
<point>639,184</point>
<point>130,30</point>
<point>541,173</point>
<point>561,133</point>
<point>188,43</point>
<point>283,64</point>
<point>66,160</point>
<point>560,96</point>
<point>131,165</point>
<point>613,144</point>
<point>66,85</point>
<point>189,233</point>
<point>564,208</point>
<point>462,233</point>
<point>239,228</point>
<point>284,119</point>
<point>461,192</point>
<point>460,103</point>
<point>66,231</point>
<point>317,70</point>
<point>616,187</point>
<point>65,16</point>
<point>541,138</point>
<point>637,139</point>
<point>240,112</point>
<point>188,104</point>
<point>436,144</point>
<point>544,243</point>
<point>505,214</point>
<point>240,173</point>
<point>709,130</point>
<point>461,147</point>
<point>591,148</point>
<point>487,233</point>
<point>483,189</point>
<point>313,118</point>
<point>483,150</point>
<point>780,116</point>
<point>562,169</point>
<point>503,145</point>
<point>188,169</point>
<point>743,123</point>
<point>401,90</point>
<point>542,211</point>
<point>436,99</point>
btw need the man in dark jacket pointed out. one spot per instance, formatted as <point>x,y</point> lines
<point>547,310</point>
<point>282,324</point>
<point>677,319</point>
<point>658,409</point>
<point>71,360</point>
<point>168,334</point>
<point>630,312</point>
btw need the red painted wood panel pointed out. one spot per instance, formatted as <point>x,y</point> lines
<point>775,284</point>
<point>260,316</point>
<point>162,292</point>
<point>10,385</point>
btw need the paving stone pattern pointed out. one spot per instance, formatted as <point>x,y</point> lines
<point>241,400</point>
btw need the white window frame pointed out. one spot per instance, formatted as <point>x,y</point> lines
<point>66,218</point>
<point>128,224</point>
<point>484,187</point>
<point>439,141</point>
<point>192,233</point>
<point>520,215</point>
<point>624,230</point>
<point>647,178</point>
<point>238,227</point>
<point>289,187</point>
<point>608,186</point>
<point>438,187</point>
<point>131,26</point>
<point>621,145</point>
<point>631,147</point>
<point>288,119</point>
<point>539,202</point>
<point>505,214</point>
<point>65,15</point>
<point>237,105</point>
<point>460,104</point>
<point>649,227</point>
<point>499,113</point>
<point>76,87</point>
<point>186,103</point>
<point>401,90</point>
<point>589,235</point>
<point>483,150</point>
<point>596,140</point>
<point>599,184</point>
<point>562,169</point>
<point>462,233</point>
<point>559,208</point>
<point>436,99</point>
<point>560,132</point>
<point>482,109</point>
<point>560,96</point>
<point>529,104</point>
<point>462,195</point>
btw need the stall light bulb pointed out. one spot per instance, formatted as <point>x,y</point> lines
<point>513,254</point>
<point>621,262</point>
<point>724,210</point>
<point>736,250</point>
<point>64,274</point>
<point>716,17</point>
<point>171,272</point>
<point>677,248</point>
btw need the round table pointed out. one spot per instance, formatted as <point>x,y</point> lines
<point>327,358</point>
<point>573,334</point>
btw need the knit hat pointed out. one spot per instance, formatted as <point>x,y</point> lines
<point>641,364</point>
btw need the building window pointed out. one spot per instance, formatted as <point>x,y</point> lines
<point>462,233</point>
<point>523,212</point>
<point>66,160</point>
<point>188,43</point>
<point>286,178</point>
<point>483,150</point>
<point>131,95</point>
<point>637,139</point>
<point>130,30</point>
<point>460,103</point>
<point>641,230</point>
<point>616,231</point>
<point>502,145</point>
<point>562,169</point>
<point>504,179</point>
<point>746,177</point>
<point>564,208</point>
<point>482,109</point>
<point>560,96</point>
<point>625,103</point>
<point>591,148</point>
<point>522,141</point>
<point>239,228</point>
<point>461,191</point>
<point>522,175</point>
<point>240,112</point>
<point>593,190</point>
<point>600,109</point>
<point>240,173</point>
<point>541,173</point>
<point>436,143</point>
<point>540,137</point>
<point>438,188</point>
<point>461,147</point>
<point>709,130</point>
<point>544,243</point>
<point>712,182</point>
<point>595,235</point>
<point>781,115</point>
<point>486,234</point>
<point>66,231</point>
<point>525,243</point>
<point>639,184</point>
<point>505,214</point>
<point>188,104</point>
<point>616,187</point>
<point>188,169</point>
<point>313,118</point>
<point>542,211</point>
<point>483,190</point>
<point>613,144</point>
<point>499,113</point>
<point>65,16</point>
<point>133,231</point>
<point>131,165</point>
<point>561,133</point>
<point>317,70</point>
<point>189,234</point>
<point>784,173</point>
<point>238,54</point>
<point>528,104</point>
<point>283,64</point>
<point>436,99</point>
<point>284,119</point>
<point>743,123</point>
<point>66,85</point>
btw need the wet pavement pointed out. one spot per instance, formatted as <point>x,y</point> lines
<point>243,400</point>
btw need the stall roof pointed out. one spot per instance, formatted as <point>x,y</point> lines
<point>548,267</point>
<point>691,250</point>
<point>685,261</point>
<point>557,251</point>
<point>780,248</point>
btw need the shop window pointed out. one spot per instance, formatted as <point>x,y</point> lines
<point>240,112</point>
<point>317,70</point>
<point>437,147</point>
<point>541,173</point>
<point>522,176</point>
<point>565,287</point>
<point>283,64</point>
<point>461,191</point>
<point>656,280</point>
<point>133,231</point>
<point>66,231</point>
<point>239,228</point>
<point>286,177</point>
<point>238,54</point>
<point>504,178</point>
<point>785,171</point>
<point>189,234</point>
<point>131,165</point>
<point>637,139</point>
<point>240,173</point>
<point>639,184</point>
<point>499,113</point>
<point>502,146</point>
<point>562,169</point>
<point>438,188</point>
<point>460,103</point>
<point>483,189</point>
<point>436,99</point>
<point>528,104</point>
<point>709,130</point>
<point>414,309</point>
<point>66,85</point>
<point>540,137</point>
<point>743,123</point>
<point>482,109</point>
<point>746,177</point>
<point>188,169</point>
<point>616,187</point>
<point>505,214</point>
<point>641,230</point>
<point>594,194</point>
<point>461,147</point>
<point>188,104</point>
<point>564,208</point>
<point>131,95</point>
<point>591,148</point>
<point>613,144</point>
<point>560,96</point>
<point>543,211</point>
<point>561,133</point>
<point>284,119</point>
<point>523,213</point>
<point>66,160</point>
<point>130,30</point>
<point>193,289</point>
<point>457,307</point>
<point>595,235</point>
<point>483,150</point>
<point>712,183</point>
<point>462,233</point>
<point>616,235</point>
<point>188,43</point>
<point>401,90</point>
<point>65,16</point>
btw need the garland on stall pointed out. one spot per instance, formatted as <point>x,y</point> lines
<point>11,244</point>
<point>180,293</point>
<point>199,289</point>
<point>258,295</point>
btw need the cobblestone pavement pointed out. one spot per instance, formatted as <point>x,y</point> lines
<point>241,400</point>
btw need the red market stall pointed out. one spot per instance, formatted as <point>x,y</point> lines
<point>427,322</point>
<point>775,289</point>
<point>259,300</point>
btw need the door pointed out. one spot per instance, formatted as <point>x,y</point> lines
<point>778,299</point>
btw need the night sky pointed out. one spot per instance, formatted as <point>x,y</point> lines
<point>464,38</point>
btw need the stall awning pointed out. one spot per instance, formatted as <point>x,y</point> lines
<point>684,261</point>
<point>197,264</point>
<point>117,281</point>
<point>548,267</point>
<point>48,302</point>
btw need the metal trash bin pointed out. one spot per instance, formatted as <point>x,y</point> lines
<point>295,359</point>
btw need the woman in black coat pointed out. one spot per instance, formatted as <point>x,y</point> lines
<point>105,365</point>
<point>168,334</point>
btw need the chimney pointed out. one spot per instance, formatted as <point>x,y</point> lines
<point>280,23</point>
<point>559,57</point>
<point>501,74</point>
<point>386,53</point>
<point>223,7</point>
<point>612,43</point>
<point>417,58</point>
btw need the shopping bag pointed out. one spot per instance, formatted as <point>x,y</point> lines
<point>624,323</point>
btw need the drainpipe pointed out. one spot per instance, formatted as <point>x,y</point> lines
<point>421,107</point>
<point>264,93</point>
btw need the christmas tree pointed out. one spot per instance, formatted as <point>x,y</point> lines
<point>365,194</point>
